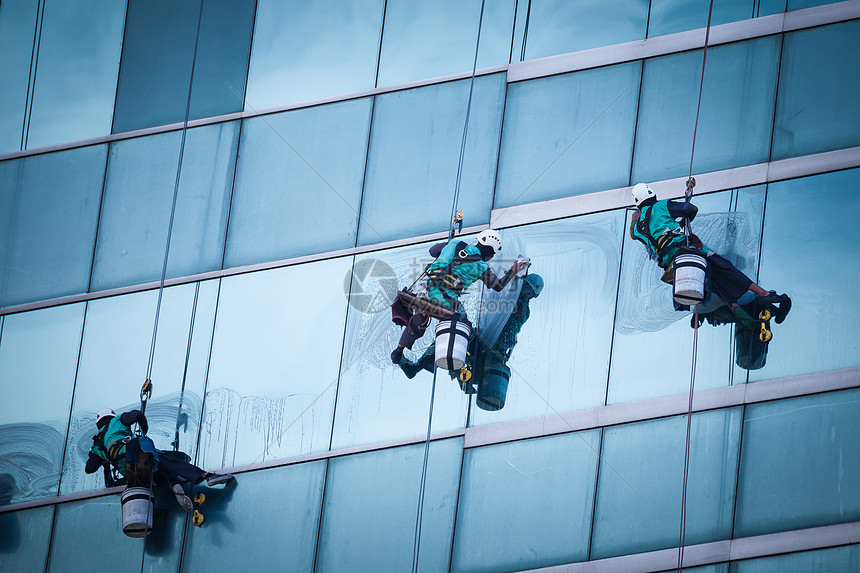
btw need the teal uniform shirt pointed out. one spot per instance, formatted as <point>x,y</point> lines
<point>467,272</point>
<point>665,231</point>
<point>116,432</point>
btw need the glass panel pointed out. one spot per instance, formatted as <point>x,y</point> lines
<point>113,363</point>
<point>89,533</point>
<point>79,49</point>
<point>415,145</point>
<point>138,195</point>
<point>275,357</point>
<point>527,504</point>
<point>24,543</point>
<point>559,26</point>
<point>38,359</point>
<point>221,69</point>
<point>431,39</point>
<point>334,47</point>
<point>375,402</point>
<point>49,207</point>
<point>799,4</point>
<point>822,263</point>
<point>835,560</point>
<point>817,110</point>
<point>17,29</point>
<point>798,464</point>
<point>296,168</point>
<point>640,484</point>
<point>735,119</point>
<point>670,16</point>
<point>374,496</point>
<point>268,521</point>
<point>156,61</point>
<point>652,348</point>
<point>553,149</point>
<point>578,261</point>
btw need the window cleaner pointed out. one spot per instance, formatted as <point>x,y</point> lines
<point>124,452</point>
<point>436,293</point>
<point>727,295</point>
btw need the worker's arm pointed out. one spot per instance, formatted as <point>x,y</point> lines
<point>635,219</point>
<point>93,464</point>
<point>135,416</point>
<point>686,210</point>
<point>436,249</point>
<point>490,279</point>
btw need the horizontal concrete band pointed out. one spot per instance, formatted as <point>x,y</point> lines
<point>522,215</point>
<point>540,67</point>
<point>720,551</point>
<point>579,420</point>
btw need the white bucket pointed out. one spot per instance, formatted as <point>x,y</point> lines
<point>689,279</point>
<point>451,344</point>
<point>137,508</point>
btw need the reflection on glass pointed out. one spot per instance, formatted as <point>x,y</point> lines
<point>24,542</point>
<point>527,504</point>
<point>816,110</point>
<point>670,16</point>
<point>415,147</point>
<point>298,185</point>
<point>813,267</point>
<point>17,26</point>
<point>558,131</point>
<point>38,357</point>
<point>653,343</point>
<point>559,26</point>
<point>799,4</point>
<point>578,260</point>
<point>832,560</point>
<point>270,522</point>
<point>113,364</point>
<point>431,39</point>
<point>275,356</point>
<point>374,496</point>
<point>49,208</point>
<point>775,491</point>
<point>332,49</point>
<point>81,529</point>
<point>75,86</point>
<point>135,217</point>
<point>375,401</point>
<point>640,485</point>
<point>736,113</point>
<point>158,47</point>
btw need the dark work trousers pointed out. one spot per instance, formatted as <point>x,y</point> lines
<point>416,328</point>
<point>173,469</point>
<point>727,281</point>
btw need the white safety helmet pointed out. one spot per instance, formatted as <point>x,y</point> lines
<point>641,192</point>
<point>492,239</point>
<point>104,413</point>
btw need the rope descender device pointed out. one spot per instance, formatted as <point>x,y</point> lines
<point>688,194</point>
<point>458,220</point>
<point>145,394</point>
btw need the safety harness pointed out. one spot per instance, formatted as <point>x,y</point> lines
<point>444,278</point>
<point>663,242</point>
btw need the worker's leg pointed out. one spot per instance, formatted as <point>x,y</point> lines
<point>730,284</point>
<point>177,470</point>
<point>414,330</point>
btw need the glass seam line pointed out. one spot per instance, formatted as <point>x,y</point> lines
<point>575,421</point>
<point>542,211</point>
<point>540,67</point>
<point>716,552</point>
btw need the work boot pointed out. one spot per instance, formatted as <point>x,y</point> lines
<point>397,355</point>
<point>183,500</point>
<point>781,301</point>
<point>410,369</point>
<point>217,479</point>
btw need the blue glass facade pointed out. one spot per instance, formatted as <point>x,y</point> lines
<point>320,165</point>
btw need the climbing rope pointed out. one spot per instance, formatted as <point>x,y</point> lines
<point>167,248</point>
<point>688,194</point>
<point>455,218</point>
<point>175,443</point>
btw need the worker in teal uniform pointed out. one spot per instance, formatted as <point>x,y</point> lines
<point>116,447</point>
<point>656,225</point>
<point>456,266</point>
